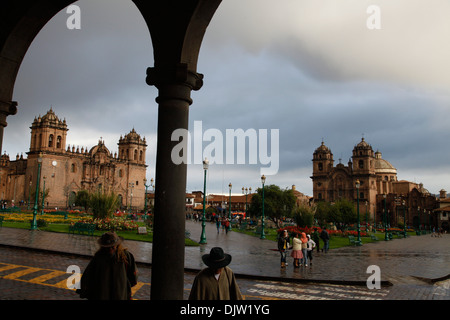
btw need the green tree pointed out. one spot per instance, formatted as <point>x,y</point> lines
<point>103,204</point>
<point>323,209</point>
<point>277,203</point>
<point>341,212</point>
<point>304,216</point>
<point>347,212</point>
<point>82,199</point>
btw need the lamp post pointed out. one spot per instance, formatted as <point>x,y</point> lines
<point>36,198</point>
<point>145,198</point>
<point>404,218</point>
<point>43,197</point>
<point>367,218</point>
<point>131,185</point>
<point>246,192</point>
<point>420,228</point>
<point>386,237</point>
<point>229,207</point>
<point>358,226</point>
<point>152,184</point>
<point>203,236</point>
<point>29,196</point>
<point>263,235</point>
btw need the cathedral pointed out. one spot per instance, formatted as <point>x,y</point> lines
<point>376,176</point>
<point>379,189</point>
<point>66,170</point>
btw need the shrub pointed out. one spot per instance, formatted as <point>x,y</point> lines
<point>103,204</point>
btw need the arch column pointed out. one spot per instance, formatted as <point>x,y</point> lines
<point>177,28</point>
<point>174,98</point>
<point>6,109</point>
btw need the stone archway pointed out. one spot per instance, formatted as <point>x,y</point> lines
<point>177,28</point>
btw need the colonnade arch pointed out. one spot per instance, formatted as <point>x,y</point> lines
<point>176,28</point>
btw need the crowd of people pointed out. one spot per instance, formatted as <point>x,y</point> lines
<point>302,247</point>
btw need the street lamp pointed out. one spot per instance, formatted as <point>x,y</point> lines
<point>203,236</point>
<point>229,208</point>
<point>367,218</point>
<point>386,238</point>
<point>358,241</point>
<point>43,197</point>
<point>404,218</point>
<point>145,198</point>
<point>246,192</point>
<point>131,185</point>
<point>36,198</point>
<point>263,180</point>
<point>29,196</point>
<point>420,228</point>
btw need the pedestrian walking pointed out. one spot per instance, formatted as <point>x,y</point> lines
<point>316,239</point>
<point>217,282</point>
<point>296,250</point>
<point>111,273</point>
<point>283,246</point>
<point>304,241</point>
<point>310,248</point>
<point>326,239</point>
<point>227,225</point>
<point>218,224</point>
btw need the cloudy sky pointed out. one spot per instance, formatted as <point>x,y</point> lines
<point>313,70</point>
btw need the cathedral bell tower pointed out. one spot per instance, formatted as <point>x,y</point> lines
<point>322,165</point>
<point>48,134</point>
<point>363,159</point>
<point>132,148</point>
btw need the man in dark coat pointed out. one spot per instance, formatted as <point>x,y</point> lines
<point>217,282</point>
<point>326,239</point>
<point>111,273</point>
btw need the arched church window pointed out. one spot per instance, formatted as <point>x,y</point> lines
<point>50,141</point>
<point>58,142</point>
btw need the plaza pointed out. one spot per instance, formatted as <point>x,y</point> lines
<point>307,77</point>
<point>415,268</point>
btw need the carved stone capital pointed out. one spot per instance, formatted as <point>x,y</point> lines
<point>179,74</point>
<point>7,109</point>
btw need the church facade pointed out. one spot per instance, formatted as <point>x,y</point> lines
<point>65,170</point>
<point>375,175</point>
<point>380,191</point>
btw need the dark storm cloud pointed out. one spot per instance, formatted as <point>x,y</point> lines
<point>308,68</point>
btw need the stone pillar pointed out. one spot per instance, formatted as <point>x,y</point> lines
<point>6,109</point>
<point>175,86</point>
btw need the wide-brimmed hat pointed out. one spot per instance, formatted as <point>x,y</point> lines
<point>216,258</point>
<point>109,239</point>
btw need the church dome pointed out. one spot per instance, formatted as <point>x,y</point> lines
<point>99,148</point>
<point>322,149</point>
<point>50,119</point>
<point>383,166</point>
<point>363,145</point>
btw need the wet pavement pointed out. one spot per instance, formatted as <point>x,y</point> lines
<point>417,259</point>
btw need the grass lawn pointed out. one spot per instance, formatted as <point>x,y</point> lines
<point>64,228</point>
<point>335,241</point>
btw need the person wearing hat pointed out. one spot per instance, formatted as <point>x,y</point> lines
<point>111,273</point>
<point>217,281</point>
